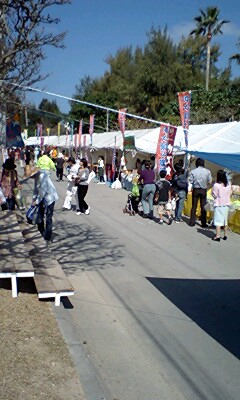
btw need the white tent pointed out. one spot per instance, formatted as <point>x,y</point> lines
<point>217,143</point>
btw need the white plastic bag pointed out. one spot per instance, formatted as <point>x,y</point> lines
<point>91,176</point>
<point>2,197</point>
<point>116,184</point>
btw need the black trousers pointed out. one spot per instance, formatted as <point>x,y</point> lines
<point>46,229</point>
<point>82,191</point>
<point>200,194</point>
<point>59,173</point>
<point>9,205</point>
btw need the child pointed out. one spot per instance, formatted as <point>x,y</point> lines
<point>163,197</point>
<point>101,169</point>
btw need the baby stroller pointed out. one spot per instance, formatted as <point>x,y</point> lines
<point>131,206</point>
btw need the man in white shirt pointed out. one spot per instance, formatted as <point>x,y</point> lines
<point>200,178</point>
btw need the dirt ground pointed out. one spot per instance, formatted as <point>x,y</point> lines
<point>35,362</point>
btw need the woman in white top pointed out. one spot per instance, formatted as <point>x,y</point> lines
<point>71,189</point>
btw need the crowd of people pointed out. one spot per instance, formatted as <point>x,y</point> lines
<point>170,195</point>
<point>150,188</point>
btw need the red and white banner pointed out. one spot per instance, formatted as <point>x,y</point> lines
<point>91,127</point>
<point>80,127</point>
<point>184,100</point>
<point>171,139</point>
<point>122,121</point>
<point>114,157</point>
<point>164,159</point>
<point>85,146</point>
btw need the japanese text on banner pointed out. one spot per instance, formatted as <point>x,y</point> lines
<point>184,99</point>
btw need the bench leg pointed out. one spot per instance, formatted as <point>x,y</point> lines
<point>14,285</point>
<point>57,299</point>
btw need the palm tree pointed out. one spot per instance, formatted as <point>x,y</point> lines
<point>208,25</point>
<point>237,55</point>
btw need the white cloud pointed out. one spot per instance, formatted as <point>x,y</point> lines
<point>231,29</point>
<point>181,29</point>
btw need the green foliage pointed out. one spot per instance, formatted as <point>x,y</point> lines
<point>146,81</point>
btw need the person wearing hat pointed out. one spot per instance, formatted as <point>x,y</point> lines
<point>59,161</point>
<point>44,196</point>
<point>71,189</point>
<point>9,184</point>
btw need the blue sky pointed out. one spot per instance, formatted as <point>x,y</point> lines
<point>99,28</point>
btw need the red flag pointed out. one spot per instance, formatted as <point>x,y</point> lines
<point>122,120</point>
<point>91,127</point>
<point>80,132</point>
<point>184,99</point>
<point>114,157</point>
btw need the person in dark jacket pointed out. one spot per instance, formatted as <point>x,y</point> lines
<point>59,161</point>
<point>147,177</point>
<point>180,186</point>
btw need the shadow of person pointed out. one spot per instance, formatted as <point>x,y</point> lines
<point>206,232</point>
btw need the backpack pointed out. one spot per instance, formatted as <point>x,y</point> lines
<point>180,182</point>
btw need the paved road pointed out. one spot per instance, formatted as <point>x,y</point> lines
<point>156,309</point>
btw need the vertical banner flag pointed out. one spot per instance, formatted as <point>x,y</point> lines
<point>164,159</point>
<point>71,132</point>
<point>114,158</point>
<point>184,99</point>
<point>2,129</point>
<point>13,132</point>
<point>39,130</point>
<point>171,139</point>
<point>67,131</point>
<point>161,153</point>
<point>58,131</point>
<point>122,121</point>
<point>80,132</point>
<point>75,142</point>
<point>91,127</point>
<point>85,146</point>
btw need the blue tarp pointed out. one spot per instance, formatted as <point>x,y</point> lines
<point>230,161</point>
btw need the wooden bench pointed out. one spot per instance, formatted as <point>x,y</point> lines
<point>14,259</point>
<point>50,280</point>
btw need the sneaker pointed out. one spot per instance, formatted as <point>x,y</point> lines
<point>145,215</point>
<point>87,211</point>
<point>79,213</point>
<point>177,221</point>
<point>170,221</point>
<point>161,222</point>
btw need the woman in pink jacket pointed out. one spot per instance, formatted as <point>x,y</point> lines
<point>221,193</point>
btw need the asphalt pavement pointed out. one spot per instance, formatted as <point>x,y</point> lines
<point>155,315</point>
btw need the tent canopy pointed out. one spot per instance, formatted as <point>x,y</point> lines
<point>217,143</point>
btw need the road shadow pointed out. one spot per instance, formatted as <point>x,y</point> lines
<point>212,304</point>
<point>79,247</point>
